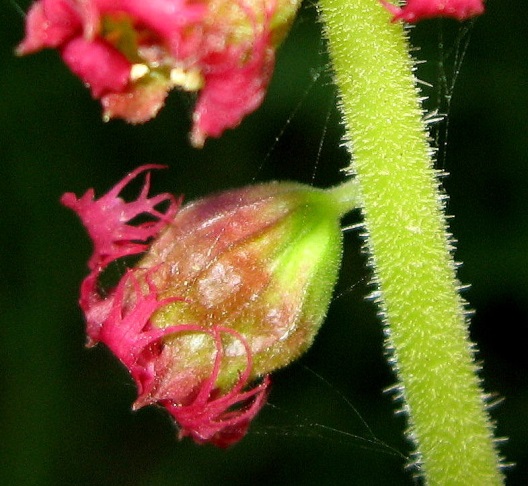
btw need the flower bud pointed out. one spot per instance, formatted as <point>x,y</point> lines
<point>232,287</point>
<point>130,53</point>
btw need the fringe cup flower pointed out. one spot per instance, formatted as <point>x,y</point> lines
<point>416,10</point>
<point>130,53</point>
<point>230,288</point>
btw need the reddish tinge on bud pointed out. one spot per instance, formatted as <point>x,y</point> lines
<point>416,10</point>
<point>230,288</point>
<point>130,53</point>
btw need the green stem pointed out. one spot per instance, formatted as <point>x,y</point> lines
<point>346,196</point>
<point>410,248</point>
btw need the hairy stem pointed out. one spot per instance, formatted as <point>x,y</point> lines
<point>410,248</point>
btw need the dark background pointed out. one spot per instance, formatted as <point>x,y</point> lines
<point>65,411</point>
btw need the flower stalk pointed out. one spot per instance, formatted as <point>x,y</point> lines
<point>411,251</point>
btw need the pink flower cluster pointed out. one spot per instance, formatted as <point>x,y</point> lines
<point>130,53</point>
<point>416,10</point>
<point>122,320</point>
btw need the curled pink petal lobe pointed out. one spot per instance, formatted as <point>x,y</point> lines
<point>212,416</point>
<point>221,419</point>
<point>232,91</point>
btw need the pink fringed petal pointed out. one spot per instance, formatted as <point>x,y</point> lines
<point>416,10</point>
<point>107,219</point>
<point>221,419</point>
<point>211,417</point>
<point>127,330</point>
<point>236,80</point>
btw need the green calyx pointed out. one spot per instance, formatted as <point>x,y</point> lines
<point>261,261</point>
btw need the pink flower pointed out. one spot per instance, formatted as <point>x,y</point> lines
<point>123,320</point>
<point>130,53</point>
<point>230,288</point>
<point>416,10</point>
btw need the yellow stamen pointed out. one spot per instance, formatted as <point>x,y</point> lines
<point>137,71</point>
<point>188,80</point>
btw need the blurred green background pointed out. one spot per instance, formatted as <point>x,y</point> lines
<point>65,413</point>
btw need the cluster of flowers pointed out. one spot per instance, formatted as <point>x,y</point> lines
<point>130,53</point>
